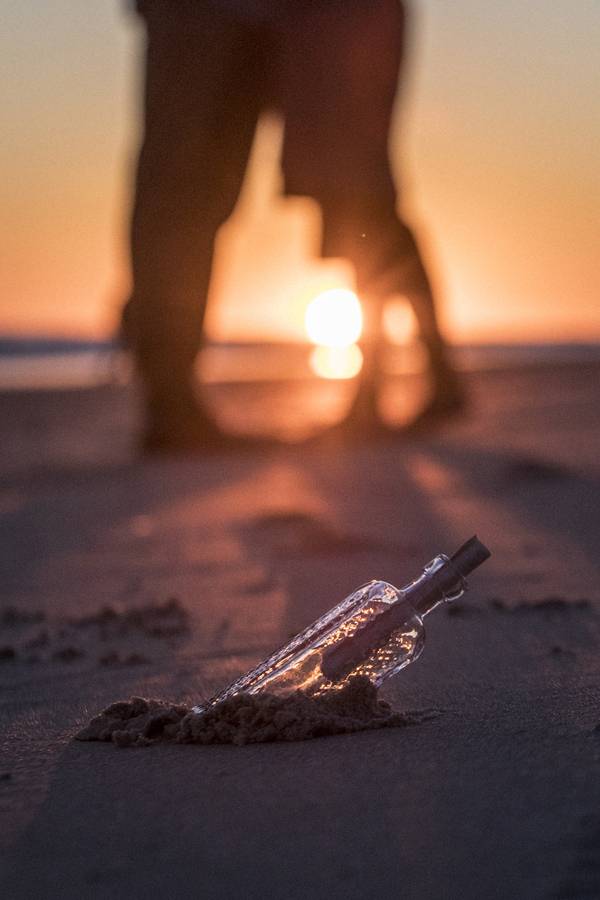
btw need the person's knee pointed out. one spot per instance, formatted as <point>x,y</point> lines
<point>367,221</point>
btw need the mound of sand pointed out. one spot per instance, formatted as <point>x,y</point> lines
<point>247,718</point>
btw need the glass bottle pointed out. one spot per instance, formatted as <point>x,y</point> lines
<point>376,631</point>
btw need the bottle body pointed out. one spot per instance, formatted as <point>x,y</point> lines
<point>375,632</point>
<point>299,664</point>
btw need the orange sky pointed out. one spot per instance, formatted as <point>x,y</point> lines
<point>498,150</point>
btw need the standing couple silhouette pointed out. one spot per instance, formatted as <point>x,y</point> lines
<point>330,68</point>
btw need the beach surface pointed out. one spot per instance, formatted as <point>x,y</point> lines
<point>169,578</point>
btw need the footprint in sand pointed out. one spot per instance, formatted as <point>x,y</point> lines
<point>300,533</point>
<point>532,468</point>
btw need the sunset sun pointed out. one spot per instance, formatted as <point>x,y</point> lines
<point>334,323</point>
<point>334,318</point>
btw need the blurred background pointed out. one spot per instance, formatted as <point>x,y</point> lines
<point>495,147</point>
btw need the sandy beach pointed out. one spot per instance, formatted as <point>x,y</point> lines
<point>221,559</point>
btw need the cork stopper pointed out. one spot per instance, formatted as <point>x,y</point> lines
<point>471,555</point>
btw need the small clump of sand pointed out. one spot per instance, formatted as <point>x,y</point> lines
<point>248,718</point>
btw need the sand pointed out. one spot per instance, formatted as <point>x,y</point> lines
<point>498,796</point>
<point>247,718</point>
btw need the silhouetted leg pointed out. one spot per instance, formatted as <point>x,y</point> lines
<point>336,150</point>
<point>387,263</point>
<point>201,105</point>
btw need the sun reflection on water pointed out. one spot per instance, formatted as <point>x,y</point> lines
<point>336,362</point>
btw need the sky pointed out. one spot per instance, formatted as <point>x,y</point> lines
<point>495,142</point>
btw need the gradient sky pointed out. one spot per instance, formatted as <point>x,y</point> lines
<point>497,142</point>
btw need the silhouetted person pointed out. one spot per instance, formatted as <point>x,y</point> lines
<point>331,68</point>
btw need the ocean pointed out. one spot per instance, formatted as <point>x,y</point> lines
<point>32,363</point>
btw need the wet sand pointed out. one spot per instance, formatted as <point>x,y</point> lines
<point>168,578</point>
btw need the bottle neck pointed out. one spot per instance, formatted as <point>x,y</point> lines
<point>440,582</point>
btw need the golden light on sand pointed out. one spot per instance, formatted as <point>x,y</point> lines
<point>336,362</point>
<point>334,318</point>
